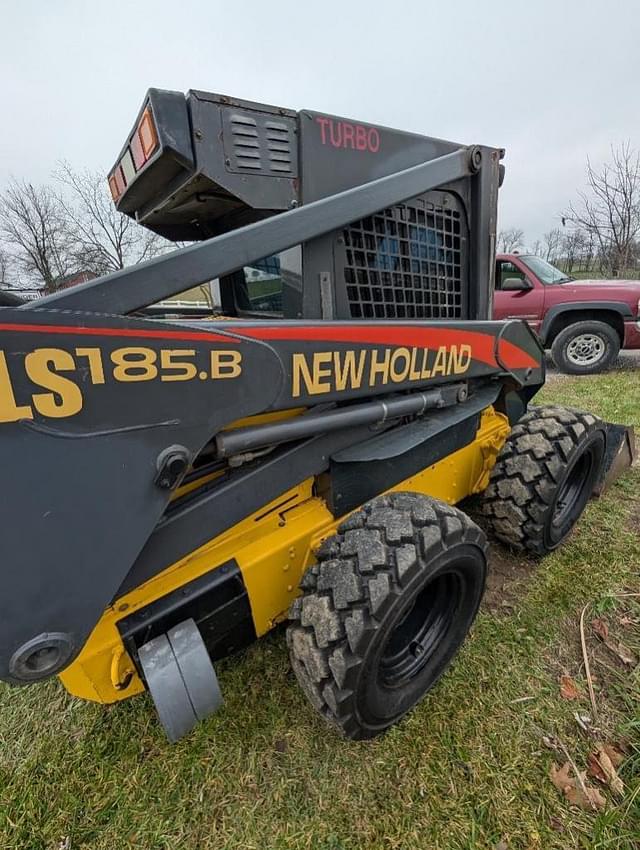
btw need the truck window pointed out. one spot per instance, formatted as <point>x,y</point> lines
<point>506,269</point>
<point>544,270</point>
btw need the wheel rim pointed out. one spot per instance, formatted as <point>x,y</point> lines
<point>570,492</point>
<point>586,349</point>
<point>420,629</point>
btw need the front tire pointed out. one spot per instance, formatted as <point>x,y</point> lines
<point>385,610</point>
<point>543,478</point>
<point>585,348</point>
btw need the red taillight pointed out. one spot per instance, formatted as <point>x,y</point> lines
<point>147,133</point>
<point>117,183</point>
<point>137,152</point>
<point>145,139</point>
<point>113,187</point>
<point>142,145</point>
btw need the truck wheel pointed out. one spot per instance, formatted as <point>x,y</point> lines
<point>385,609</point>
<point>585,348</point>
<point>544,477</point>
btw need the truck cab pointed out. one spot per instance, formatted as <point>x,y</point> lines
<point>585,323</point>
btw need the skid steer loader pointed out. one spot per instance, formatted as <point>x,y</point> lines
<point>183,480</point>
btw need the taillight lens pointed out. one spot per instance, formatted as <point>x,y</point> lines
<point>117,182</point>
<point>142,145</point>
<point>147,133</point>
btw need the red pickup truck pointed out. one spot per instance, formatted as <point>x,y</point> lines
<point>585,323</point>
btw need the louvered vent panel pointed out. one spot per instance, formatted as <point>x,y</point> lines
<point>258,143</point>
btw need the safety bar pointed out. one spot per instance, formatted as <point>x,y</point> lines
<point>133,288</point>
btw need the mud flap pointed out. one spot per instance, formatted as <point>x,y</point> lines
<point>180,678</point>
<point>620,454</point>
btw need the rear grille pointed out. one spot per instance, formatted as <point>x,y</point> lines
<point>406,263</point>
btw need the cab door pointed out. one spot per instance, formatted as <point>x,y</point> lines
<point>519,294</point>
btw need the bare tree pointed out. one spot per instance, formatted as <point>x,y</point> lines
<point>552,241</point>
<point>537,248</point>
<point>571,245</point>
<point>610,210</point>
<point>35,232</point>
<point>4,269</point>
<point>104,239</point>
<point>510,239</point>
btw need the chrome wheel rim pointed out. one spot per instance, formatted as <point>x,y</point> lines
<point>585,350</point>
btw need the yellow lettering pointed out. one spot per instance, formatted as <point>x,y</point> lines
<point>9,410</point>
<point>440,365</point>
<point>348,372</point>
<point>300,370</point>
<point>65,398</point>
<point>94,356</point>
<point>463,360</point>
<point>134,364</point>
<point>313,379</point>
<point>173,362</point>
<point>378,367</point>
<point>414,373</point>
<point>425,372</point>
<point>321,373</point>
<point>399,375</point>
<point>226,364</point>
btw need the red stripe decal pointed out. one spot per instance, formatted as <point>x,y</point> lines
<point>146,334</point>
<point>400,335</point>
<point>407,335</point>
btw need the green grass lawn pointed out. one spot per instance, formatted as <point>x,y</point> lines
<point>467,769</point>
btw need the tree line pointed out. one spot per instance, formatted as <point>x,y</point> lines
<point>66,227</point>
<point>600,229</point>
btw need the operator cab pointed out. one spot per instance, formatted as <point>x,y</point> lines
<point>200,165</point>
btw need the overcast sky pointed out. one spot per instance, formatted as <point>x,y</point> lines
<point>551,81</point>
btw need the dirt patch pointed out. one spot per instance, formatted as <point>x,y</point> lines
<point>509,573</point>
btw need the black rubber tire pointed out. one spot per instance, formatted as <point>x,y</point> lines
<point>543,478</point>
<point>385,609</point>
<point>609,339</point>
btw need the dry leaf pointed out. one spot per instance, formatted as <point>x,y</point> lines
<point>595,769</point>
<point>577,791</point>
<point>600,627</point>
<point>616,755</point>
<point>560,776</point>
<point>568,688</point>
<point>501,845</point>
<point>591,798</point>
<point>602,768</point>
<point>605,764</point>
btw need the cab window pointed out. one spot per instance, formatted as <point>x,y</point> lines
<point>506,269</point>
<point>262,290</point>
<point>257,289</point>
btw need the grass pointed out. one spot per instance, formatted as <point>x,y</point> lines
<point>466,770</point>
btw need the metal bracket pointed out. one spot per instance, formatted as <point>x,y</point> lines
<point>326,296</point>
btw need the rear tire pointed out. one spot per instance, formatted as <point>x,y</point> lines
<point>544,476</point>
<point>385,610</point>
<point>585,348</point>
